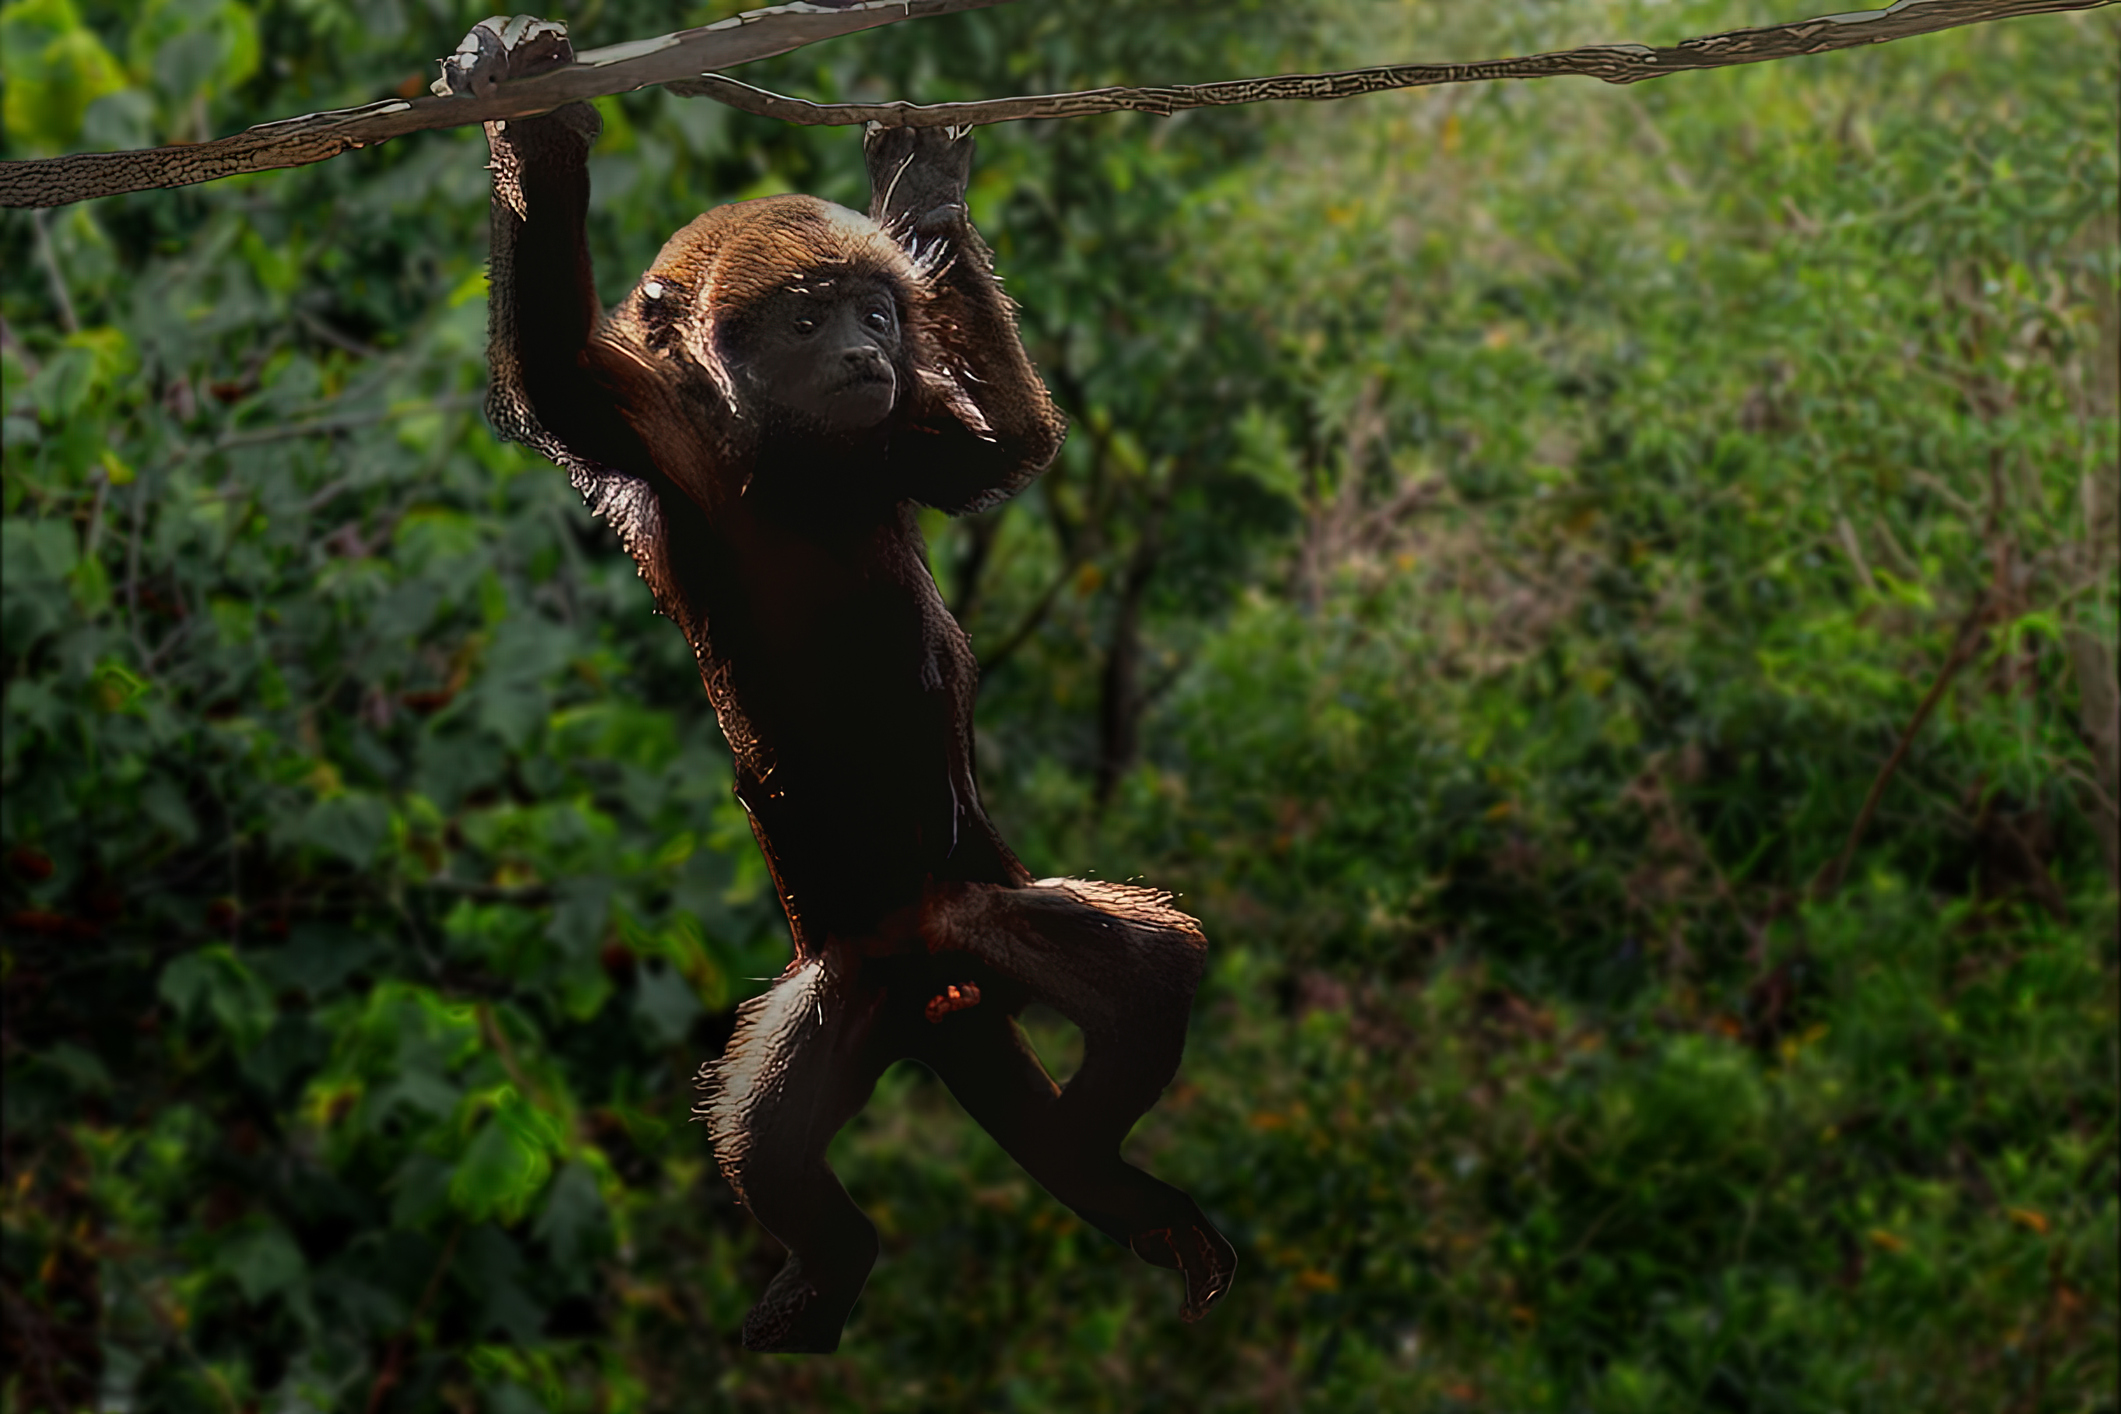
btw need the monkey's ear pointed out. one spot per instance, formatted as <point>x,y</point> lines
<point>657,364</point>
<point>663,322</point>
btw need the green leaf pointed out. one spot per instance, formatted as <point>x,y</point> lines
<point>665,1002</point>
<point>195,48</point>
<point>574,1220</point>
<point>507,1162</point>
<point>352,826</point>
<point>55,67</point>
<point>38,551</point>
<point>263,1260</point>
<point>214,983</point>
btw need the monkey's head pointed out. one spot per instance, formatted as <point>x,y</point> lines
<point>783,314</point>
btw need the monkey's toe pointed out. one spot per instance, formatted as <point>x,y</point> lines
<point>1204,1255</point>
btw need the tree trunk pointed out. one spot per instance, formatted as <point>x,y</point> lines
<point>1119,712</point>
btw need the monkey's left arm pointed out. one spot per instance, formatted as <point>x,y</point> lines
<point>988,426</point>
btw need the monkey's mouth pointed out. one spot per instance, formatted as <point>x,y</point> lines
<point>865,378</point>
<point>861,400</point>
<point>868,388</point>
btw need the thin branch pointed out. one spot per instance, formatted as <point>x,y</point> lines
<point>596,73</point>
<point>1968,639</point>
<point>54,276</point>
<point>340,422</point>
<point>1028,625</point>
<point>680,61</point>
<point>394,1358</point>
<point>132,570</point>
<point>490,1027</point>
<point>337,340</point>
<point>529,895</point>
<point>1614,63</point>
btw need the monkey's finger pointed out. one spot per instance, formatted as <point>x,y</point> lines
<point>503,47</point>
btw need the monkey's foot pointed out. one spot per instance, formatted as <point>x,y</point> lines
<point>1203,1254</point>
<point>789,1317</point>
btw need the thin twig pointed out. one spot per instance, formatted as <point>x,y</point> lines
<point>132,569</point>
<point>389,1374</point>
<point>490,1025</point>
<point>176,636</point>
<point>95,515</point>
<point>1028,625</point>
<point>346,343</point>
<point>1968,639</point>
<point>284,431</point>
<point>529,895</point>
<point>325,496</point>
<point>54,276</point>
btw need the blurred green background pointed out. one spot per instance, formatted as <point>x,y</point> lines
<point>1504,531</point>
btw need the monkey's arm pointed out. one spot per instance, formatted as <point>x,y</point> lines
<point>989,426</point>
<point>542,301</point>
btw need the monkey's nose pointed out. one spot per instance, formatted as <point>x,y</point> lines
<point>865,361</point>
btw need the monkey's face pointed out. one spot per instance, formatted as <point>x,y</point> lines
<point>824,352</point>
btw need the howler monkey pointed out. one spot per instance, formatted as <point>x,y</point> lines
<point>758,420</point>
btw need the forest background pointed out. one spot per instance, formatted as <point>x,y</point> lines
<point>1505,531</point>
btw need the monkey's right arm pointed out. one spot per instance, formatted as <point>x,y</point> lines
<point>542,299</point>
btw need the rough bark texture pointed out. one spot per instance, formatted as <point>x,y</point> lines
<point>295,142</point>
<point>1614,63</point>
<point>679,60</point>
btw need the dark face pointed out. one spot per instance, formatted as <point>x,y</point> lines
<point>826,351</point>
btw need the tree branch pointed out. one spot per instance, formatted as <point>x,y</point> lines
<point>1614,63</point>
<point>678,61</point>
<point>1964,643</point>
<point>595,73</point>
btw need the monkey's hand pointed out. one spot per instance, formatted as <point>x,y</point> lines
<point>498,48</point>
<point>917,178</point>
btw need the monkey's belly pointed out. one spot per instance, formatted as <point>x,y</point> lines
<point>850,684</point>
<point>852,789</point>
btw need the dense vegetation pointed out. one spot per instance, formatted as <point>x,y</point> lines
<point>1505,533</point>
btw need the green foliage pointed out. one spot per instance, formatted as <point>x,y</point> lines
<point>1504,532</point>
<point>55,69</point>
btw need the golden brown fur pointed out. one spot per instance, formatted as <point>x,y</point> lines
<point>787,551</point>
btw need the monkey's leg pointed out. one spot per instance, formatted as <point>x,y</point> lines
<point>1122,964</point>
<point>804,1058</point>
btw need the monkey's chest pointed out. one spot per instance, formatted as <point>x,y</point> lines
<point>838,649</point>
<point>842,683</point>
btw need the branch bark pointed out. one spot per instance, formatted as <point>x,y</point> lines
<point>1614,63</point>
<point>677,60</point>
<point>1964,644</point>
<point>595,73</point>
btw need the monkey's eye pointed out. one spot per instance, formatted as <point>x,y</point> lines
<point>879,320</point>
<point>804,324</point>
